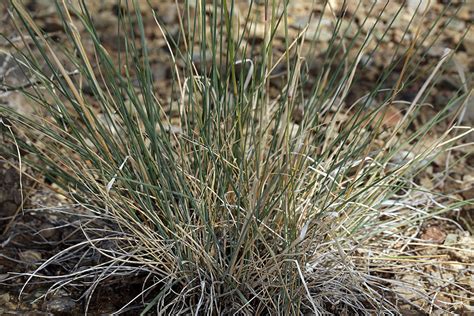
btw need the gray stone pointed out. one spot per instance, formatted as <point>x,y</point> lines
<point>457,25</point>
<point>61,305</point>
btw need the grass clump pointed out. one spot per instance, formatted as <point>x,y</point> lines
<point>213,188</point>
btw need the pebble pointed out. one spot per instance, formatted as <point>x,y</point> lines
<point>466,13</point>
<point>436,51</point>
<point>11,71</point>
<point>4,299</point>
<point>369,23</point>
<point>348,28</point>
<point>30,256</point>
<point>457,25</point>
<point>419,5</point>
<point>321,34</point>
<point>61,305</point>
<point>300,21</point>
<point>468,42</point>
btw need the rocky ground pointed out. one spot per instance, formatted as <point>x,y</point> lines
<point>30,234</point>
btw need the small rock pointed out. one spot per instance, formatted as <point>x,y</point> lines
<point>257,30</point>
<point>168,14</point>
<point>457,25</point>
<point>466,13</point>
<point>112,123</point>
<point>419,5</point>
<point>434,234</point>
<point>30,256</point>
<point>173,129</point>
<point>348,29</point>
<point>426,182</point>
<point>436,51</point>
<point>4,299</point>
<point>400,36</point>
<point>402,22</point>
<point>369,23</point>
<point>106,20</point>
<point>453,36</point>
<point>467,245</point>
<point>323,33</point>
<point>468,43</point>
<point>13,71</point>
<point>345,7</point>
<point>300,22</point>
<point>61,306</point>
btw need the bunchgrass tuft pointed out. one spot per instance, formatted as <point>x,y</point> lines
<point>214,188</point>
